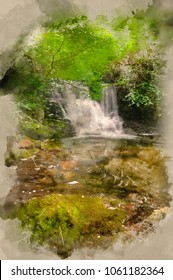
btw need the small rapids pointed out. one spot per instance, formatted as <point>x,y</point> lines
<point>90,117</point>
<point>14,243</point>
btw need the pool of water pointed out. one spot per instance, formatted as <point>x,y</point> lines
<point>89,153</point>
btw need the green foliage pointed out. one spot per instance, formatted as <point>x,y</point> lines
<point>45,129</point>
<point>73,49</point>
<point>96,88</point>
<point>125,52</point>
<point>139,65</point>
<point>139,77</point>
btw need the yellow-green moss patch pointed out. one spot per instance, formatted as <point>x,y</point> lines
<point>70,220</point>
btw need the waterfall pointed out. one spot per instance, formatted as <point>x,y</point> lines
<point>110,106</point>
<point>109,102</point>
<point>90,117</point>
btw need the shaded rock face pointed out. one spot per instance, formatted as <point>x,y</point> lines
<point>8,74</point>
<point>47,129</point>
<point>125,180</point>
<point>51,121</point>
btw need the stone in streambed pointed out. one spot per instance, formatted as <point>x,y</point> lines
<point>68,165</point>
<point>25,144</point>
<point>50,144</point>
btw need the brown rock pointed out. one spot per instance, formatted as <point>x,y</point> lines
<point>68,165</point>
<point>25,144</point>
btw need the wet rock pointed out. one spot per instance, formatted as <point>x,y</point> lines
<point>139,213</point>
<point>25,144</point>
<point>50,145</point>
<point>130,179</point>
<point>68,165</point>
<point>28,153</point>
<point>35,130</point>
<point>152,135</point>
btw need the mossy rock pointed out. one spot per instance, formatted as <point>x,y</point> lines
<point>50,144</point>
<point>36,130</point>
<point>47,129</point>
<point>10,160</point>
<point>27,153</point>
<point>62,127</point>
<point>69,221</point>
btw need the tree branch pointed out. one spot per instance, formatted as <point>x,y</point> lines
<point>74,54</point>
<point>53,59</point>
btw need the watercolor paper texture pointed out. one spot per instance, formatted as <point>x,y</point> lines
<point>85,181</point>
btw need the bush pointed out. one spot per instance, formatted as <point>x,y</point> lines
<point>125,52</point>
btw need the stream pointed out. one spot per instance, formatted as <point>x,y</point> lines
<point>93,159</point>
<point>90,166</point>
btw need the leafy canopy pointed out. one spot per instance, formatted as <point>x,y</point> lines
<point>124,51</point>
<point>74,49</point>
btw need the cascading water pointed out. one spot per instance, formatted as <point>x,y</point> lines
<point>90,117</point>
<point>109,102</point>
<point>160,246</point>
<point>110,107</point>
<point>14,245</point>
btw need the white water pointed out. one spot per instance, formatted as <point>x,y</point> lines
<point>14,244</point>
<point>90,117</point>
<point>158,246</point>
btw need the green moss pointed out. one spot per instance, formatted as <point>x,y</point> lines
<point>36,130</point>
<point>62,128</point>
<point>45,129</point>
<point>26,153</point>
<point>10,160</point>
<point>50,144</point>
<point>69,220</point>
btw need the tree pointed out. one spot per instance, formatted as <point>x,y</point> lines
<point>138,68</point>
<point>72,49</point>
<point>125,51</point>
